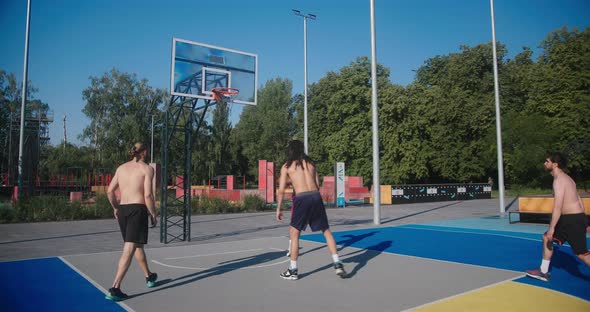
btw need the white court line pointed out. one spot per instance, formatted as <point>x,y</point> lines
<point>215,254</point>
<point>189,244</point>
<point>104,291</point>
<point>222,253</point>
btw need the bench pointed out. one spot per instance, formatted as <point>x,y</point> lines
<point>540,206</point>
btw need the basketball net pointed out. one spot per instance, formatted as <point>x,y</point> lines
<point>225,94</point>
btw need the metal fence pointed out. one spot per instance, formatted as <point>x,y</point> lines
<point>421,193</point>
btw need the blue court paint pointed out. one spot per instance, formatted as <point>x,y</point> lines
<point>48,284</point>
<point>495,249</point>
<point>568,274</point>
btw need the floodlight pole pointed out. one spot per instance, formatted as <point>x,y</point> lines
<point>152,143</point>
<point>305,17</point>
<point>375,122</point>
<point>23,104</point>
<point>498,116</point>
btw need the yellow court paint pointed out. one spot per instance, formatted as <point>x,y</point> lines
<point>509,296</point>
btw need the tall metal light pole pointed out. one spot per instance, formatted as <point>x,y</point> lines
<point>305,17</point>
<point>23,103</point>
<point>375,121</point>
<point>498,116</point>
<point>152,145</point>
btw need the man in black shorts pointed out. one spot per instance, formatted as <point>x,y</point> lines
<point>307,209</point>
<point>133,179</point>
<point>568,219</point>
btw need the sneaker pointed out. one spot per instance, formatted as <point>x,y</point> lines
<point>339,267</point>
<point>151,280</point>
<point>290,274</point>
<point>115,294</point>
<point>538,274</point>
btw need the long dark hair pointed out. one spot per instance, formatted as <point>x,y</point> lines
<point>136,150</point>
<point>295,153</point>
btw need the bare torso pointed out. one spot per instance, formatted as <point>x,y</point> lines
<point>132,177</point>
<point>565,185</point>
<point>303,179</point>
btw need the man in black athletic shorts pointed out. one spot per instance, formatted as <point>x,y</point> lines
<point>133,179</point>
<point>568,219</point>
<point>307,209</point>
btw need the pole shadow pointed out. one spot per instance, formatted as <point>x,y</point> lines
<point>419,213</point>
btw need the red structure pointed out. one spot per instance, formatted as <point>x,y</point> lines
<point>353,186</point>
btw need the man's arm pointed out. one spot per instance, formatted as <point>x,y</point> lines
<point>154,184</point>
<point>148,195</point>
<point>111,193</point>
<point>281,191</point>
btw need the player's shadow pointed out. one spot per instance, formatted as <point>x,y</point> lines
<point>570,263</point>
<point>343,243</point>
<point>361,258</point>
<point>224,267</point>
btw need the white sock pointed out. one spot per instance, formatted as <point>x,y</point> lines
<point>293,265</point>
<point>335,258</point>
<point>545,266</point>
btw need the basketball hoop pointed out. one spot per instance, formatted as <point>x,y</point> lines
<point>224,94</point>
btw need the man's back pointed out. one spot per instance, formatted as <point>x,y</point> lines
<point>303,177</point>
<point>132,177</point>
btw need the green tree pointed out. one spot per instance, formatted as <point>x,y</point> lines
<point>59,158</point>
<point>120,108</point>
<point>461,111</point>
<point>561,91</point>
<point>339,118</point>
<point>405,134</point>
<point>264,130</point>
<point>220,142</point>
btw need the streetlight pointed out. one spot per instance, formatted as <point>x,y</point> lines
<point>375,121</point>
<point>305,17</point>
<point>152,143</point>
<point>21,142</point>
<point>498,115</point>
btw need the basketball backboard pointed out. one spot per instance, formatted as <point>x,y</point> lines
<point>197,68</point>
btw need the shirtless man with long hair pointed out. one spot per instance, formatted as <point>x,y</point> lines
<point>134,181</point>
<point>307,209</point>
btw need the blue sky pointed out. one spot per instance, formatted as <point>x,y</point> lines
<point>71,40</point>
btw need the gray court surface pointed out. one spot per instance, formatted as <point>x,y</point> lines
<point>233,261</point>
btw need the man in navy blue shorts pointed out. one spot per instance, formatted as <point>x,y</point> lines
<point>308,209</point>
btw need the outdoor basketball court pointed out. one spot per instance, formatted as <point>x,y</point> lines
<point>449,264</point>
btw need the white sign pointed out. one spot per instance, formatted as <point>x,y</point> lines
<point>431,190</point>
<point>397,192</point>
<point>340,185</point>
<point>487,188</point>
<point>461,190</point>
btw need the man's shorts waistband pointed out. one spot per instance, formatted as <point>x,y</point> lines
<point>308,193</point>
